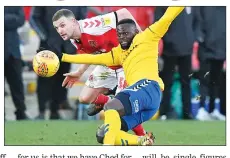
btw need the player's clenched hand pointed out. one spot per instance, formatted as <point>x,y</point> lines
<point>70,79</point>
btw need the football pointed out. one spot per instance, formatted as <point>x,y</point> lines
<point>46,63</point>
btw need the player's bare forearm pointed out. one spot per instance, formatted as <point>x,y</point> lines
<point>100,59</point>
<point>82,68</point>
<point>160,27</point>
<point>124,14</point>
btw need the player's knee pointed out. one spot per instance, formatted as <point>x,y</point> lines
<point>109,106</point>
<point>85,99</point>
<point>115,104</point>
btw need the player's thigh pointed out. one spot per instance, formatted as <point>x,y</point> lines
<point>131,121</point>
<point>125,102</point>
<point>102,77</point>
<point>115,104</point>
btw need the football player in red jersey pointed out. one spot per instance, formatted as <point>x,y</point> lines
<point>94,35</point>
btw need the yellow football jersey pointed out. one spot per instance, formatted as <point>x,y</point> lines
<point>140,61</point>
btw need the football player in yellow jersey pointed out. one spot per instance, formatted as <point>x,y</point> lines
<point>138,54</point>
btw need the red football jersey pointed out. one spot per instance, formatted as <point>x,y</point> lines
<point>98,35</point>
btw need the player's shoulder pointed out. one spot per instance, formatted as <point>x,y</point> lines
<point>147,34</point>
<point>99,24</point>
<point>140,37</point>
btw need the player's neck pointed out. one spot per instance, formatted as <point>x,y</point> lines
<point>77,34</point>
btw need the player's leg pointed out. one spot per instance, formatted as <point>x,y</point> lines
<point>100,131</point>
<point>123,138</point>
<point>138,130</point>
<point>112,123</point>
<point>127,123</point>
<point>130,121</point>
<point>126,139</point>
<point>90,96</point>
<point>144,103</point>
<point>99,79</point>
<point>100,82</point>
<point>110,81</point>
<point>114,136</point>
<point>143,95</point>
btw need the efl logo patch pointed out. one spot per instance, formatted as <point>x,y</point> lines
<point>106,21</point>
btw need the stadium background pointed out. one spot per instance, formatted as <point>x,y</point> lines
<point>29,43</point>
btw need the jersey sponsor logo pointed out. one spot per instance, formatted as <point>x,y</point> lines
<point>92,43</point>
<point>136,105</point>
<point>92,23</point>
<point>104,75</point>
<point>106,21</point>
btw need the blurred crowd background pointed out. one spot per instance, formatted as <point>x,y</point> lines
<point>192,61</point>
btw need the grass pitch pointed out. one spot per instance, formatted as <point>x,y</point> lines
<point>83,132</point>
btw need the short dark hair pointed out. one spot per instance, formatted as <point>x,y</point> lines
<point>62,12</point>
<point>126,21</point>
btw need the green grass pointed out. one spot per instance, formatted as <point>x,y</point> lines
<point>83,132</point>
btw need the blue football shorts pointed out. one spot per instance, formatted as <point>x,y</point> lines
<point>141,101</point>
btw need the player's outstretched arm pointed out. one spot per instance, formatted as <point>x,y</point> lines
<point>161,26</point>
<point>107,59</point>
